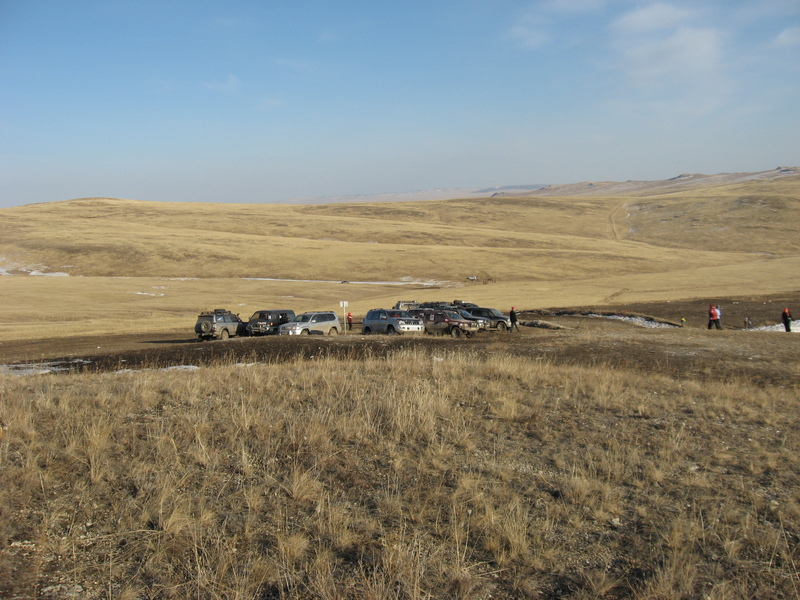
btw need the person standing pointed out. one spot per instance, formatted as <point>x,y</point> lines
<point>349,321</point>
<point>719,316</point>
<point>513,318</point>
<point>713,317</point>
<point>786,317</point>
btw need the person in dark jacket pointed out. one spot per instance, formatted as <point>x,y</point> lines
<point>786,317</point>
<point>513,318</point>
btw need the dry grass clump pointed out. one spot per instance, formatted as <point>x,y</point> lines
<point>421,475</point>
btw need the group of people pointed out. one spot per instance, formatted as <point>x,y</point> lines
<point>715,317</point>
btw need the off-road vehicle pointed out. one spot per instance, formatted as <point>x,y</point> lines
<point>497,320</point>
<point>483,322</point>
<point>266,322</point>
<point>319,323</point>
<point>448,322</point>
<point>218,324</point>
<point>391,321</point>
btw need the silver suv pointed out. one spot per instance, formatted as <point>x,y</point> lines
<point>218,324</point>
<point>391,321</point>
<point>266,322</point>
<point>319,323</point>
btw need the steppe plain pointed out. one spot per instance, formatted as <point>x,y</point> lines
<point>581,458</point>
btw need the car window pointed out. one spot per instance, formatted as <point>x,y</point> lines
<point>302,318</point>
<point>496,313</point>
<point>452,315</point>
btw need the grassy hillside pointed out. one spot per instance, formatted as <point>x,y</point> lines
<point>415,475</point>
<point>502,238</point>
<point>534,251</point>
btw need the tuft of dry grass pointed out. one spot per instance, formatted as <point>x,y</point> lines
<point>414,475</point>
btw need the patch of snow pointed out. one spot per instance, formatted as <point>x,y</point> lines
<point>405,281</point>
<point>777,327</point>
<point>640,321</point>
<point>55,274</point>
<point>40,368</point>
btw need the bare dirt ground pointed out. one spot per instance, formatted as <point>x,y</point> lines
<point>561,336</point>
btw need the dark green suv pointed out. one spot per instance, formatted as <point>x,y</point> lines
<point>218,324</point>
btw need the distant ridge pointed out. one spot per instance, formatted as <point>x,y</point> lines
<point>603,188</point>
<point>585,188</point>
<point>420,195</point>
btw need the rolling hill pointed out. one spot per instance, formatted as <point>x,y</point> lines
<point>686,237</point>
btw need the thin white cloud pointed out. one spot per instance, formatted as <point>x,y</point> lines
<point>231,84</point>
<point>650,18</point>
<point>529,36</point>
<point>573,6</point>
<point>687,55</point>
<point>788,37</point>
<point>299,65</point>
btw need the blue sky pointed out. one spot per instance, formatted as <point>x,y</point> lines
<point>273,101</point>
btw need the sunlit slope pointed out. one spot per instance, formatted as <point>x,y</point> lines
<point>496,239</point>
<point>758,216</point>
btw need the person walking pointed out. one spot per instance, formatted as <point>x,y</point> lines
<point>513,318</point>
<point>713,317</point>
<point>786,317</point>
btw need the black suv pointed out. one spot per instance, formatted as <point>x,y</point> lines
<point>266,322</point>
<point>218,324</point>
<point>497,320</point>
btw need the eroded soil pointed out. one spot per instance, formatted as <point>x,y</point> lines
<point>562,336</point>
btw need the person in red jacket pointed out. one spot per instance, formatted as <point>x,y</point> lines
<point>713,317</point>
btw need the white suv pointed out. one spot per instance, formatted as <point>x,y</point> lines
<point>319,323</point>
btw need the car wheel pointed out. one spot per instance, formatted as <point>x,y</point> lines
<point>455,332</point>
<point>333,331</point>
<point>391,330</point>
<point>501,326</point>
<point>205,327</point>
<point>224,335</point>
<point>366,331</point>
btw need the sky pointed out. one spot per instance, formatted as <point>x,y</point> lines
<point>292,100</point>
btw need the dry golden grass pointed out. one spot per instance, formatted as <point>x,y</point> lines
<point>534,252</point>
<point>416,475</point>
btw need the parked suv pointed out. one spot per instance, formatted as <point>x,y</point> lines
<point>218,324</point>
<point>391,321</point>
<point>320,323</point>
<point>448,322</point>
<point>266,322</point>
<point>483,322</point>
<point>497,320</point>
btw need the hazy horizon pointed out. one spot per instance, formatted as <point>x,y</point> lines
<point>279,102</point>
